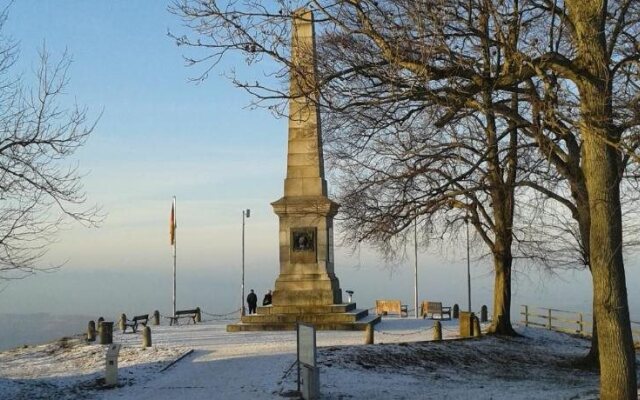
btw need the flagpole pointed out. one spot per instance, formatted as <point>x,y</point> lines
<point>174,255</point>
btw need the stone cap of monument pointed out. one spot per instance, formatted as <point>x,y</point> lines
<point>305,205</point>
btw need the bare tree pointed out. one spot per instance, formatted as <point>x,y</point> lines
<point>400,57</point>
<point>39,189</point>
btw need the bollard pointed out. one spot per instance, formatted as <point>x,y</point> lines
<point>198,315</point>
<point>368,334</point>
<point>483,314</point>
<point>122,323</point>
<point>100,320</point>
<point>437,330</point>
<point>156,317</point>
<point>466,323</point>
<point>146,337</point>
<point>476,327</point>
<point>456,311</point>
<point>106,332</point>
<point>91,331</point>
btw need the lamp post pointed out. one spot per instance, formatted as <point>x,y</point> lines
<point>466,222</point>
<point>245,214</point>
<point>415,249</point>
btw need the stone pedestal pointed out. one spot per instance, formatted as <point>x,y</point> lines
<point>306,266</point>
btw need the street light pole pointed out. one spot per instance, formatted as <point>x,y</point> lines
<point>466,222</point>
<point>415,248</point>
<point>245,214</point>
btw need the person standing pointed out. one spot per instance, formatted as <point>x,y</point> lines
<point>267,299</point>
<point>252,301</point>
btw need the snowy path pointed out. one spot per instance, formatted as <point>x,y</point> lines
<point>254,365</point>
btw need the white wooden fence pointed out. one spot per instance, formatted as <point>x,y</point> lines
<point>565,321</point>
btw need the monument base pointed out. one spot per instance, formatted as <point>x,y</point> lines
<point>284,318</point>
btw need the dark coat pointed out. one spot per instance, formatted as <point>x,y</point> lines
<point>252,299</point>
<point>267,299</point>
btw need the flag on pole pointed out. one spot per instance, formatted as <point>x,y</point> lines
<point>172,224</point>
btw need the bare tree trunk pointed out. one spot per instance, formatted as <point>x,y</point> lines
<point>592,359</point>
<point>601,164</point>
<point>581,198</point>
<point>615,343</point>
<point>501,323</point>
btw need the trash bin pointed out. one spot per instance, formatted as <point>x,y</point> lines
<point>111,370</point>
<point>349,296</point>
<point>466,323</point>
<point>106,333</point>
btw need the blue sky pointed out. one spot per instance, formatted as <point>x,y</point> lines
<point>161,135</point>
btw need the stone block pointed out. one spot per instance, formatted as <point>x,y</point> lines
<point>299,171</point>
<point>301,160</point>
<point>466,323</point>
<point>304,145</point>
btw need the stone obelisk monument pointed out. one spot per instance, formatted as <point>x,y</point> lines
<point>306,289</point>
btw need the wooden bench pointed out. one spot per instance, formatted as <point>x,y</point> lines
<point>434,307</point>
<point>384,307</point>
<point>189,314</point>
<point>133,323</point>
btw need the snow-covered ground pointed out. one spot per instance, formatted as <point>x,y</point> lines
<point>403,364</point>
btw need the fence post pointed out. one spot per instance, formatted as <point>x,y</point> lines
<point>456,311</point>
<point>580,326</point>
<point>476,327</point>
<point>156,317</point>
<point>368,334</point>
<point>437,330</point>
<point>549,319</point>
<point>91,331</point>
<point>146,337</point>
<point>526,315</point>
<point>122,323</point>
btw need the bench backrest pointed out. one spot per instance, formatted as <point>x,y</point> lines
<point>140,317</point>
<point>430,307</point>
<point>388,306</point>
<point>183,312</point>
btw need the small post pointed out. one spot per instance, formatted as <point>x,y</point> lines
<point>368,334</point>
<point>91,331</point>
<point>476,327</point>
<point>100,320</point>
<point>437,330</point>
<point>156,317</point>
<point>456,311</point>
<point>122,323</point>
<point>549,319</point>
<point>526,315</point>
<point>483,314</point>
<point>580,324</point>
<point>146,337</point>
<point>198,315</point>
<point>106,332</point>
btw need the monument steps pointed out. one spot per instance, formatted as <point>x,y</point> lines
<point>317,309</point>
<point>359,325</point>
<point>351,316</point>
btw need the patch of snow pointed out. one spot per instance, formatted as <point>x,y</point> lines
<point>403,364</point>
